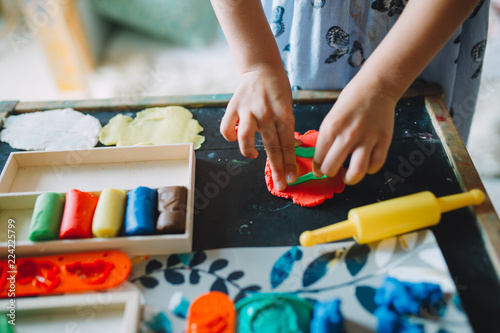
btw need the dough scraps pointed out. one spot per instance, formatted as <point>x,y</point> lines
<point>60,129</point>
<point>310,193</point>
<point>165,125</point>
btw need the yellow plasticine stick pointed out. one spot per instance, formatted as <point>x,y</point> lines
<point>391,217</point>
<point>109,213</point>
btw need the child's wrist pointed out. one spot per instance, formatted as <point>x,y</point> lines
<point>263,65</point>
<point>376,86</point>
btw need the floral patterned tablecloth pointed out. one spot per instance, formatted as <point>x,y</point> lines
<point>345,270</point>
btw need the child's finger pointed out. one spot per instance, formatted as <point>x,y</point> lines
<point>228,125</point>
<point>379,155</point>
<point>335,157</point>
<point>246,136</point>
<point>358,166</point>
<point>275,154</point>
<point>288,141</point>
<point>323,144</point>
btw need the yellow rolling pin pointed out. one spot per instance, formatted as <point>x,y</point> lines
<point>391,217</point>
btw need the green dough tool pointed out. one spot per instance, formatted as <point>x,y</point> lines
<point>305,152</point>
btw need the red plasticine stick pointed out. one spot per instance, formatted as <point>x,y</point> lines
<point>77,216</point>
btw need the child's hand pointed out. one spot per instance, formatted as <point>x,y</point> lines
<point>263,102</point>
<point>360,123</point>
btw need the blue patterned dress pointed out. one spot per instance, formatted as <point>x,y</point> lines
<point>323,44</point>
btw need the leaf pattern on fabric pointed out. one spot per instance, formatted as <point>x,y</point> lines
<point>152,266</point>
<point>198,258</point>
<point>318,3</point>
<point>236,275</point>
<point>243,292</point>
<point>391,7</point>
<point>173,277</point>
<point>338,39</point>
<point>476,10</point>
<point>277,25</point>
<point>283,266</point>
<point>319,266</point>
<point>219,285</point>
<point>173,260</point>
<point>148,282</point>
<point>194,276</point>
<point>218,265</point>
<point>356,56</point>
<point>366,297</point>
<point>356,258</point>
<point>477,54</point>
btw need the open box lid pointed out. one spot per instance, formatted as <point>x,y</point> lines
<point>95,169</point>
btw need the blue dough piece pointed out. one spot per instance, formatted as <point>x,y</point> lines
<point>395,296</point>
<point>141,212</point>
<point>390,322</point>
<point>407,297</point>
<point>396,300</point>
<point>327,317</point>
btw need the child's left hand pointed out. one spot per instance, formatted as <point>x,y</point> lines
<point>361,123</point>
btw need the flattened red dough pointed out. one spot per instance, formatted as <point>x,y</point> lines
<point>310,193</point>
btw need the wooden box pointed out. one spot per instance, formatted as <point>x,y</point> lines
<point>28,174</point>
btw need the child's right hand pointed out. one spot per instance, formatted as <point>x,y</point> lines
<point>361,123</point>
<point>263,102</point>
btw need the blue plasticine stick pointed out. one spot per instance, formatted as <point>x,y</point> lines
<point>141,212</point>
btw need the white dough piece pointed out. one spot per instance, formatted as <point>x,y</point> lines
<point>61,129</point>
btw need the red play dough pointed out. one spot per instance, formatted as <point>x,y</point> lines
<point>310,193</point>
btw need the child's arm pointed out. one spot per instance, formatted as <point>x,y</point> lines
<point>361,121</point>
<point>263,100</point>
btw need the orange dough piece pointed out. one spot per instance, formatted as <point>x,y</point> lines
<point>212,312</point>
<point>310,193</point>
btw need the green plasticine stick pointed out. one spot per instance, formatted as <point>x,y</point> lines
<point>308,176</point>
<point>46,218</point>
<point>305,151</point>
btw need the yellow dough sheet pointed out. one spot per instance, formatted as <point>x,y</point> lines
<point>165,125</point>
